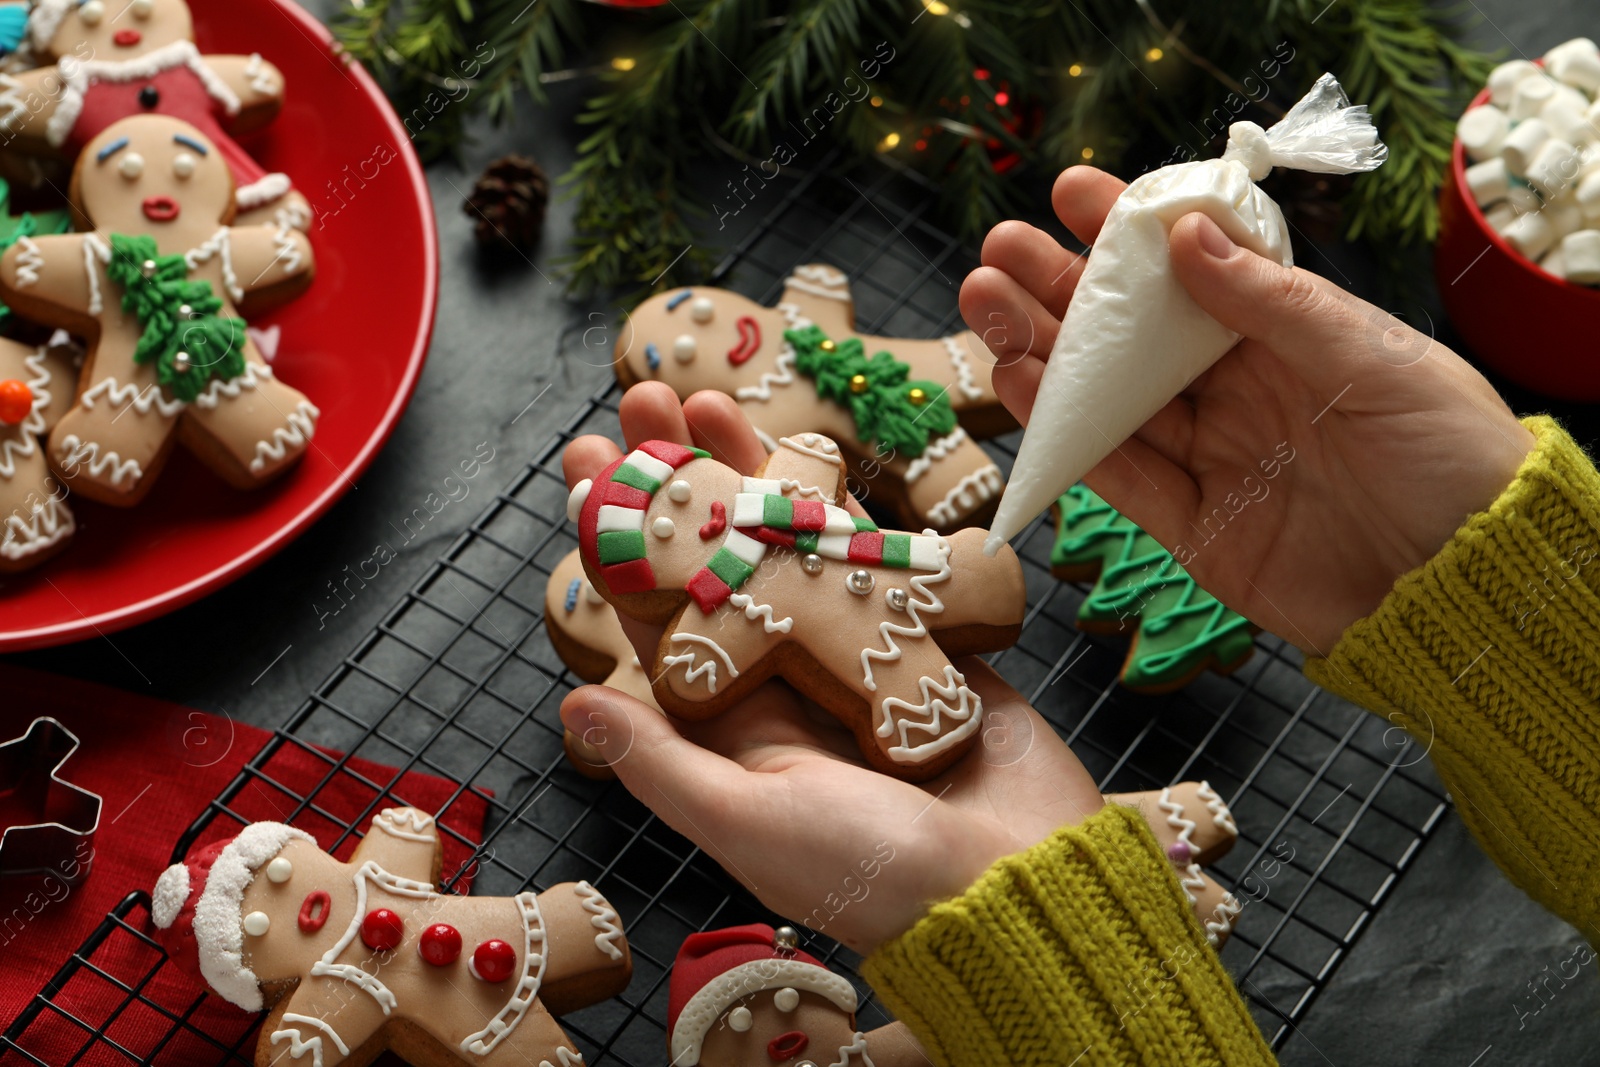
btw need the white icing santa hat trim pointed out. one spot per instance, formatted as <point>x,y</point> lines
<point>46,20</point>
<point>217,895</point>
<point>732,986</point>
<point>262,191</point>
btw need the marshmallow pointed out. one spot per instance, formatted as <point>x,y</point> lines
<point>1554,167</point>
<point>1589,160</point>
<point>1553,264</point>
<point>1504,78</point>
<point>1488,181</point>
<point>1565,216</point>
<point>1580,257</point>
<point>1588,195</point>
<point>1499,217</point>
<point>1530,234</point>
<point>1483,131</point>
<point>1576,62</point>
<point>1567,115</point>
<point>1530,97</point>
<point>1522,143</point>
<point>1523,199</point>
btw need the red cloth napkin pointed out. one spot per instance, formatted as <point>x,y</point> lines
<point>158,766</point>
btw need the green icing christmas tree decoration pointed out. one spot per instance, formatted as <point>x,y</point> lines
<point>888,407</point>
<point>179,316</point>
<point>27,224</point>
<point>1182,628</point>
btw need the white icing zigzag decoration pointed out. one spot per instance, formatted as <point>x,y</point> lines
<point>567,1057</point>
<point>300,1045</point>
<point>260,78</point>
<point>709,667</point>
<point>30,261</point>
<point>604,919</point>
<point>1220,815</point>
<point>1176,819</point>
<point>763,612</point>
<point>820,280</point>
<point>286,250</point>
<point>921,599</point>
<point>141,400</point>
<point>966,381</point>
<point>935,450</point>
<point>254,374</point>
<point>813,445</point>
<point>936,697</point>
<point>527,989</point>
<point>783,372</point>
<point>858,1047</point>
<point>219,244</point>
<point>406,823</point>
<point>51,522</point>
<point>302,425</point>
<point>21,440</point>
<point>983,484</point>
<point>74,451</point>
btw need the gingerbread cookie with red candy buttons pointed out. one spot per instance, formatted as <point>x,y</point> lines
<point>156,286</point>
<point>359,957</point>
<point>36,387</point>
<point>907,413</point>
<point>102,61</point>
<point>768,576</point>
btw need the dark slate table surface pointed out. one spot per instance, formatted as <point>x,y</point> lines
<point>1444,975</point>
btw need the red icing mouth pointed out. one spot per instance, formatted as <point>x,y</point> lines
<point>787,1046</point>
<point>161,208</point>
<point>126,38</point>
<point>718,523</point>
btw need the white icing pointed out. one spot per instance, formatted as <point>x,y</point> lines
<point>140,400</point>
<point>1176,819</point>
<point>663,527</point>
<point>286,250</point>
<point>815,445</point>
<point>967,494</point>
<point>299,1045</point>
<point>567,1056</point>
<point>30,261</point>
<point>820,280</point>
<point>261,79</point>
<point>218,925</point>
<point>858,1047</point>
<point>300,426</point>
<point>94,248</point>
<point>370,984</point>
<point>740,1020</point>
<point>707,1005</point>
<point>169,896</point>
<point>921,599</point>
<point>20,439</point>
<point>76,77</point>
<point>701,309</point>
<point>257,923</point>
<point>680,491</point>
<point>602,917</point>
<point>763,612</point>
<point>1220,924</point>
<point>183,165</point>
<point>935,450</point>
<point>1220,815</point>
<point>576,498</point>
<point>74,451</point>
<point>533,960</point>
<point>935,707</point>
<point>782,373</point>
<point>406,823</point>
<point>131,165</point>
<point>264,191</point>
<point>49,523</point>
<point>708,668</point>
<point>966,381</point>
<point>254,374</point>
<point>786,999</point>
<point>220,244</point>
<point>683,349</point>
<point>280,871</point>
<point>46,19</point>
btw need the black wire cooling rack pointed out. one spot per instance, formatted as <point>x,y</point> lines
<point>459,680</point>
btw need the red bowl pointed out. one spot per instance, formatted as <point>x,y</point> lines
<point>354,344</point>
<point>1534,328</point>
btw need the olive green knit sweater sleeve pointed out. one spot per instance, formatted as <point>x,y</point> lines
<point>1489,654</point>
<point>1081,950</point>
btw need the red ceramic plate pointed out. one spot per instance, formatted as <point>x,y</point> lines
<point>355,344</point>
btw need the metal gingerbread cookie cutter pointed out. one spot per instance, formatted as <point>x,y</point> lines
<point>60,818</point>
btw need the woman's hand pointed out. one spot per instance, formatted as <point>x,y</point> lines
<point>1331,451</point>
<point>775,790</point>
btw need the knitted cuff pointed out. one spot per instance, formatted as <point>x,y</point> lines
<point>1082,946</point>
<point>1489,654</point>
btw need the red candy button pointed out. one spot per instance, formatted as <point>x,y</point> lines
<point>382,930</point>
<point>493,960</point>
<point>16,401</point>
<point>440,944</point>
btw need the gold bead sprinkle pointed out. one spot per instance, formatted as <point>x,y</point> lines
<point>858,383</point>
<point>918,397</point>
<point>828,345</point>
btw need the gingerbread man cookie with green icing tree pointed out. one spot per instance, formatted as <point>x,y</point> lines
<point>1179,629</point>
<point>357,957</point>
<point>156,287</point>
<point>907,413</point>
<point>770,576</point>
<point>36,388</point>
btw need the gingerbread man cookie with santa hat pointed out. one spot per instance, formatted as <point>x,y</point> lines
<point>36,388</point>
<point>353,958</point>
<point>108,60</point>
<point>906,413</point>
<point>765,576</point>
<point>156,287</point>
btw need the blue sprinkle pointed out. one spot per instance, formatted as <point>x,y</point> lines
<point>672,305</point>
<point>652,355</point>
<point>572,593</point>
<point>112,149</point>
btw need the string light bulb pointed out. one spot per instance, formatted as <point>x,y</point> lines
<point>1076,70</point>
<point>1154,55</point>
<point>936,7</point>
<point>889,142</point>
<point>876,101</point>
<point>1088,153</point>
<point>624,63</point>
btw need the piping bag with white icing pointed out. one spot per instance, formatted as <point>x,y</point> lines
<point>1133,338</point>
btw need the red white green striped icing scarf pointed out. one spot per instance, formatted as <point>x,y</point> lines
<point>611,525</point>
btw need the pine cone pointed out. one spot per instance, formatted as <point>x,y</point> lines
<point>508,203</point>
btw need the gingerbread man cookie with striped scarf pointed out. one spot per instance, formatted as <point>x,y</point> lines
<point>906,413</point>
<point>353,958</point>
<point>769,576</point>
<point>156,287</point>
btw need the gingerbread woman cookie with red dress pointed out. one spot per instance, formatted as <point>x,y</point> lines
<point>154,287</point>
<point>906,413</point>
<point>764,576</point>
<point>36,388</point>
<point>353,958</point>
<point>108,60</point>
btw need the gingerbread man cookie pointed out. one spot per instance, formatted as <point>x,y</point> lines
<point>107,60</point>
<point>1182,629</point>
<point>1195,829</point>
<point>36,387</point>
<point>359,957</point>
<point>770,576</point>
<point>906,412</point>
<point>155,287</point>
